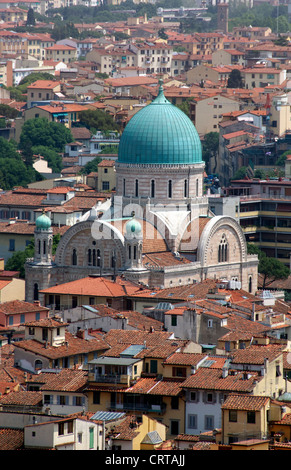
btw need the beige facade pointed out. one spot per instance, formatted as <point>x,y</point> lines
<point>12,290</point>
<point>106,176</point>
<point>207,113</point>
<point>60,53</point>
<point>258,77</point>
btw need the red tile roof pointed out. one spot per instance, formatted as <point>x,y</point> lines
<point>94,286</point>
<point>11,439</point>
<point>245,402</point>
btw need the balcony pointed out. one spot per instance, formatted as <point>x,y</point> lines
<point>142,407</point>
<point>111,379</point>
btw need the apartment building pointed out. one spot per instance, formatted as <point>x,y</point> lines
<point>260,77</point>
<point>206,113</point>
<point>265,214</point>
<point>60,52</point>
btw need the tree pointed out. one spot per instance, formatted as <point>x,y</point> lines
<point>91,166</point>
<point>162,34</point>
<point>18,259</point>
<point>53,158</point>
<point>30,18</point>
<point>235,79</point>
<point>270,268</point>
<point>97,120</point>
<point>13,171</point>
<point>40,132</point>
<point>210,145</point>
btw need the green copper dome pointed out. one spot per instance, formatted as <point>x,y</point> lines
<point>160,134</point>
<point>133,226</point>
<point>43,222</point>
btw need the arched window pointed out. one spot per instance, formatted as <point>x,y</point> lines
<point>39,247</point>
<point>197,187</point>
<point>123,189</point>
<point>223,250</point>
<point>74,257</point>
<point>185,188</point>
<point>250,284</point>
<point>35,291</point>
<point>98,258</point>
<point>134,252</point>
<point>153,188</point>
<point>44,247</point>
<point>136,188</point>
<point>170,188</point>
<point>94,257</point>
<point>129,252</point>
<point>89,257</point>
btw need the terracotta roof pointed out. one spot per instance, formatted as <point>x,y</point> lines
<point>67,380</point>
<point>44,84</point>
<point>20,306</point>
<point>72,346</point>
<point>11,439</point>
<point>131,81</point>
<point>23,398</point>
<point>153,386</point>
<point>150,338</point>
<point>245,402</point>
<point>135,320</point>
<point>212,379</point>
<point>95,286</point>
<point>256,354</point>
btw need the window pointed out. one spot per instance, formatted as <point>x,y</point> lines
<point>208,422</point>
<point>74,257</point>
<point>192,421</point>
<point>153,188</point>
<point>174,426</point>
<point>80,437</point>
<point>22,318</point>
<point>251,417</point>
<point>210,323</point>
<point>136,188</point>
<point>10,320</point>
<point>105,185</point>
<point>170,184</point>
<point>96,398</point>
<point>12,244</point>
<point>70,427</point>
<point>223,250</point>
<point>232,416</point>
<point>173,320</point>
<point>179,372</point>
<point>48,399</point>
<point>175,403</point>
<point>61,429</point>
<point>185,188</point>
<point>153,366</point>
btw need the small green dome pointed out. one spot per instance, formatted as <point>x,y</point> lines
<point>43,222</point>
<point>160,134</point>
<point>133,227</point>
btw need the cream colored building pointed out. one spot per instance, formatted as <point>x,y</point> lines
<point>13,289</point>
<point>61,53</point>
<point>106,175</point>
<point>207,113</point>
<point>260,77</point>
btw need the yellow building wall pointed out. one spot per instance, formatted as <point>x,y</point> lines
<point>15,290</point>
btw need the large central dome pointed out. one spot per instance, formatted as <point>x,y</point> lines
<point>160,134</point>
